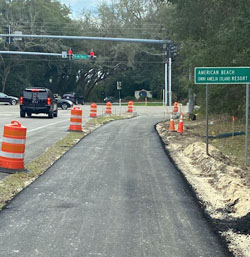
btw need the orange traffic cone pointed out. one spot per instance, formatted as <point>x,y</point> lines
<point>180,125</point>
<point>171,123</point>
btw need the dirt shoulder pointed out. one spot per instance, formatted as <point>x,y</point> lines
<point>222,185</point>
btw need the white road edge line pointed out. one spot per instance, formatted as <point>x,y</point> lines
<point>31,130</point>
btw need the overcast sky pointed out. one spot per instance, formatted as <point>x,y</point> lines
<point>78,5</point>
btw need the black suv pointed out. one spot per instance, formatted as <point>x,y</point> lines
<point>73,97</point>
<point>38,100</point>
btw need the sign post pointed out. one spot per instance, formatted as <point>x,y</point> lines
<point>247,116</point>
<point>224,75</point>
<point>207,119</point>
<point>119,88</point>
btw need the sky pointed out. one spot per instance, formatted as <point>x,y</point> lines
<point>78,5</point>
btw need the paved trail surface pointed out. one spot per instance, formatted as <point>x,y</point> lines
<point>115,194</point>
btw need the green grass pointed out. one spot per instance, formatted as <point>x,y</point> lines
<point>148,104</point>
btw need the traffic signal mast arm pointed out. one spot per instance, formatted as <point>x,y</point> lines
<point>129,40</point>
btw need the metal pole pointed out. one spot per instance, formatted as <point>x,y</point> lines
<point>29,53</point>
<point>166,83</point>
<point>163,97</point>
<point>247,116</point>
<point>170,80</point>
<point>128,40</point>
<point>9,34</point>
<point>120,101</point>
<point>207,119</point>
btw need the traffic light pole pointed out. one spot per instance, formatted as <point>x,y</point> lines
<point>166,82</point>
<point>170,81</point>
<point>128,40</point>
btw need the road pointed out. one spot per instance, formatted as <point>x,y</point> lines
<point>43,132</point>
<point>115,194</point>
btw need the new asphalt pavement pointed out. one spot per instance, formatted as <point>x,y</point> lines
<point>115,194</point>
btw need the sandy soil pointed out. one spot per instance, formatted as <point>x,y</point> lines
<point>222,186</point>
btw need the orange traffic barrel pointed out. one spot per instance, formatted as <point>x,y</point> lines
<point>93,110</point>
<point>13,146</point>
<point>175,107</point>
<point>108,108</point>
<point>130,106</point>
<point>76,119</point>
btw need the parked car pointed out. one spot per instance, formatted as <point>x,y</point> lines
<point>8,99</point>
<point>38,100</point>
<point>74,97</point>
<point>109,99</point>
<point>64,103</point>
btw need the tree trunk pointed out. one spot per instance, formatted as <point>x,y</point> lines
<point>6,72</point>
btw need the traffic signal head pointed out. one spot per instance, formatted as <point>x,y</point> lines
<point>70,54</point>
<point>92,54</point>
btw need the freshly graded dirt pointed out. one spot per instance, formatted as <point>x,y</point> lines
<point>220,184</point>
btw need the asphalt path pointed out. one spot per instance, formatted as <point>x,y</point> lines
<point>115,194</point>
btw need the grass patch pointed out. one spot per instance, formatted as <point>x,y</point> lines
<point>148,104</point>
<point>13,184</point>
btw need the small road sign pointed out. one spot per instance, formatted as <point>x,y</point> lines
<point>64,54</point>
<point>119,85</point>
<point>80,56</point>
<point>222,75</point>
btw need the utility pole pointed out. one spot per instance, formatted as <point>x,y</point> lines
<point>170,79</point>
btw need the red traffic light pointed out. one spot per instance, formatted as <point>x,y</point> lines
<point>70,52</point>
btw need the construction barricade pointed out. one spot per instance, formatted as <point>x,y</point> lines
<point>108,108</point>
<point>176,107</point>
<point>13,146</point>
<point>76,119</point>
<point>93,110</point>
<point>130,106</point>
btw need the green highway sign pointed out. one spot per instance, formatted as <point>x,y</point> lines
<point>80,56</point>
<point>222,75</point>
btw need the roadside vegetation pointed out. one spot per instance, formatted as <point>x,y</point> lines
<point>204,33</point>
